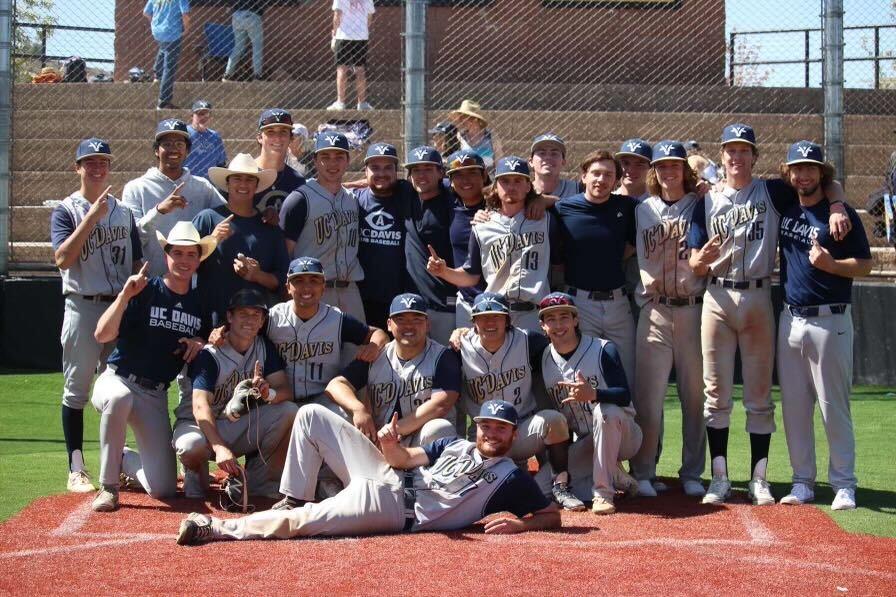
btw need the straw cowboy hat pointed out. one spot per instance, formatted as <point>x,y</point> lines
<point>184,234</point>
<point>242,163</point>
<point>471,108</point>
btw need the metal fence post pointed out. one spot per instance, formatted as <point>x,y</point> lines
<point>5,128</point>
<point>415,73</point>
<point>832,49</point>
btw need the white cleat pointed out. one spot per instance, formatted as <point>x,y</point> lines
<point>79,482</point>
<point>761,492</point>
<point>719,490</point>
<point>799,494</point>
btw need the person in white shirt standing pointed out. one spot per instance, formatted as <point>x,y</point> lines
<point>351,30</point>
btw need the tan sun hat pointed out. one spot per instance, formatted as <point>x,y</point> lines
<point>242,163</point>
<point>471,108</point>
<point>184,234</point>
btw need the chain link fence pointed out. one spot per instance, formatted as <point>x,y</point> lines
<point>595,72</point>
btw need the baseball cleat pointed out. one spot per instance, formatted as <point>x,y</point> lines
<point>845,499</point>
<point>79,482</point>
<point>287,503</point>
<point>761,492</point>
<point>566,499</point>
<point>106,500</point>
<point>624,482</point>
<point>645,488</point>
<point>195,529</point>
<point>693,488</point>
<point>719,490</point>
<point>800,493</point>
<point>602,505</point>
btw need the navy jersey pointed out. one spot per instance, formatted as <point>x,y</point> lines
<point>153,323</point>
<point>251,237</point>
<point>592,240</point>
<point>381,244</point>
<point>459,232</point>
<point>805,285</point>
<point>429,223</point>
<point>288,180</point>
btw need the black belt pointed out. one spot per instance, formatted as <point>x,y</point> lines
<point>679,302</point>
<point>143,382</point>
<point>96,298</point>
<point>337,283</point>
<point>744,285</point>
<point>410,499</point>
<point>522,306</point>
<point>600,295</point>
<point>815,311</point>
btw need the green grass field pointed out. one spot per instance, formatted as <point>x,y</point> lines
<point>34,462</point>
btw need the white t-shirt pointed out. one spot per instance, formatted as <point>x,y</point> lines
<point>353,24</point>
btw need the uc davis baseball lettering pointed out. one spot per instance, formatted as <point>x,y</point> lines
<point>298,351</point>
<point>799,229</point>
<point>381,229</point>
<point>174,319</point>
<point>326,224</point>
<point>384,394</point>
<point>458,474</point>
<point>657,235</point>
<point>481,386</point>
<point>504,247</point>
<point>101,236</point>
<point>739,215</point>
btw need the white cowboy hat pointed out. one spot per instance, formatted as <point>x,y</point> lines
<point>185,234</point>
<point>242,163</point>
<point>471,108</point>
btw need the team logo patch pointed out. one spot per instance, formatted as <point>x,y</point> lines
<point>738,130</point>
<point>634,146</point>
<point>331,139</point>
<point>666,148</point>
<point>512,164</point>
<point>381,149</point>
<point>804,150</point>
<point>170,124</point>
<point>420,153</point>
<point>96,145</point>
<point>494,407</point>
<point>407,301</point>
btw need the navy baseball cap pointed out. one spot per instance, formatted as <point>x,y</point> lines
<point>669,150</point>
<point>556,300</point>
<point>738,132</point>
<point>274,117</point>
<point>91,147</point>
<point>805,152</point>
<point>423,155</point>
<point>498,410</point>
<point>636,147</point>
<point>512,164</point>
<point>407,303</point>
<point>302,266</point>
<point>490,302</point>
<point>381,150</point>
<point>326,140</point>
<point>200,105</point>
<point>172,125</point>
<point>547,138</point>
<point>247,297</point>
<point>443,128</point>
<point>465,159</point>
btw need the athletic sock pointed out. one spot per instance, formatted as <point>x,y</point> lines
<point>759,443</point>
<point>718,450</point>
<point>73,430</point>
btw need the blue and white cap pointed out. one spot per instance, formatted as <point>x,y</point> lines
<point>669,150</point>
<point>303,266</point>
<point>407,303</point>
<point>738,132</point>
<point>91,147</point>
<point>546,138</point>
<point>326,140</point>
<point>512,164</point>
<point>381,150</point>
<point>636,147</point>
<point>805,152</point>
<point>498,410</point>
<point>424,154</point>
<point>200,105</point>
<point>172,125</point>
<point>490,303</point>
<point>274,117</point>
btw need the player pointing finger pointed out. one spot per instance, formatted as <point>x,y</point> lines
<point>435,265</point>
<point>99,208</point>
<point>135,283</point>
<point>223,230</point>
<point>579,390</point>
<point>389,433</point>
<point>173,201</point>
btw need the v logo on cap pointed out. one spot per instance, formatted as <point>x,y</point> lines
<point>666,149</point>
<point>738,130</point>
<point>96,145</point>
<point>512,164</point>
<point>805,150</point>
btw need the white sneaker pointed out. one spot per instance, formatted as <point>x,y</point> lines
<point>761,492</point>
<point>693,488</point>
<point>336,106</point>
<point>602,506</point>
<point>79,482</point>
<point>800,493</point>
<point>719,490</point>
<point>364,106</point>
<point>845,499</point>
<point>645,488</point>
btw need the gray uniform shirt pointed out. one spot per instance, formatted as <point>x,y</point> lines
<point>504,375</point>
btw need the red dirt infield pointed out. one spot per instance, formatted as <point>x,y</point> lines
<point>666,545</point>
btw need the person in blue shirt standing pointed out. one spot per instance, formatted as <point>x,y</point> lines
<point>206,145</point>
<point>170,21</point>
<point>159,323</point>
<point>815,334</point>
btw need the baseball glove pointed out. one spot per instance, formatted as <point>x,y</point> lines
<point>234,495</point>
<point>245,396</point>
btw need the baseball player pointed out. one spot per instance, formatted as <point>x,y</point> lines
<point>547,158</point>
<point>320,219</point>
<point>204,430</point>
<point>735,236</point>
<point>309,335</point>
<point>413,377</point>
<point>634,157</point>
<point>206,145</point>
<point>445,485</point>
<point>815,334</point>
<point>168,193</point>
<point>96,247</point>
<point>274,136</point>
<point>599,222</point>
<point>585,380</point>
<point>499,362</point>
<point>159,323</point>
<point>510,251</point>
<point>670,296</point>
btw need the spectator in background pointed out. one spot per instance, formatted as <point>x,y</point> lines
<point>246,24</point>
<point>297,155</point>
<point>444,138</point>
<point>351,30</point>
<point>473,134</point>
<point>705,168</point>
<point>207,145</point>
<point>170,21</point>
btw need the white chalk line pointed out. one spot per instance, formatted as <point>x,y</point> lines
<point>76,519</point>
<point>46,551</point>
